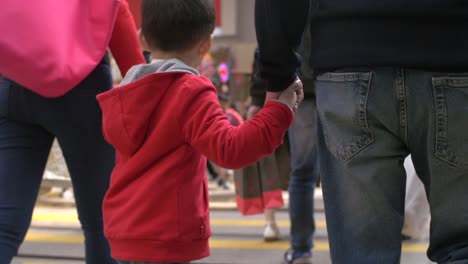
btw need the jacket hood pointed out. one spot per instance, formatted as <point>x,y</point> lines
<point>142,70</point>
<point>127,109</point>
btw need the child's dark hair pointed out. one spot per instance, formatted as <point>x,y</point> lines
<point>176,25</point>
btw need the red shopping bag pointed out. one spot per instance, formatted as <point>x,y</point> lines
<point>260,185</point>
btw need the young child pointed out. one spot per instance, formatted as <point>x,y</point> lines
<point>165,121</point>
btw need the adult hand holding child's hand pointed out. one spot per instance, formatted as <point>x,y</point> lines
<point>292,96</point>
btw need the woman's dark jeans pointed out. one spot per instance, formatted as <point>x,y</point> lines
<point>28,125</point>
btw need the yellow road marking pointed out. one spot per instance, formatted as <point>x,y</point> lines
<point>36,262</point>
<point>214,243</point>
<point>260,245</point>
<point>256,222</point>
<point>415,248</point>
<point>240,244</point>
<point>54,238</point>
<point>50,217</point>
<point>73,218</point>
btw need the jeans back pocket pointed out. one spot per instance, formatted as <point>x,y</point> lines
<point>341,105</point>
<point>451,106</point>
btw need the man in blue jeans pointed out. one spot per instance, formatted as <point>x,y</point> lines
<point>304,163</point>
<point>304,167</point>
<point>392,79</point>
<point>302,183</point>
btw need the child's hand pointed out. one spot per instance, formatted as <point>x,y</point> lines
<point>293,95</point>
<point>300,96</point>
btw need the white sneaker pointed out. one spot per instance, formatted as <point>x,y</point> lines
<point>271,232</point>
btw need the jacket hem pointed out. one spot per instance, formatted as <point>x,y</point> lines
<point>143,250</point>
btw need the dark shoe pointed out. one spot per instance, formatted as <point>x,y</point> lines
<point>291,257</point>
<point>219,180</point>
<point>222,183</point>
<point>226,186</point>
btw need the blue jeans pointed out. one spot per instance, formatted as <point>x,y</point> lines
<point>369,121</point>
<point>28,125</point>
<point>304,165</point>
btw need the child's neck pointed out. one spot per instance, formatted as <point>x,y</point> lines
<point>189,58</point>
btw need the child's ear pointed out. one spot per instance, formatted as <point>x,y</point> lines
<point>205,45</point>
<point>143,43</point>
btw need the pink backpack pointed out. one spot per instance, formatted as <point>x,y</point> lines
<point>49,46</point>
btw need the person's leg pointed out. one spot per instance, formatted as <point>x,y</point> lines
<point>76,121</point>
<point>417,213</point>
<point>271,231</point>
<point>223,178</point>
<point>360,139</point>
<point>219,175</point>
<point>211,170</point>
<point>304,165</point>
<point>24,149</point>
<point>438,141</point>
<point>270,215</point>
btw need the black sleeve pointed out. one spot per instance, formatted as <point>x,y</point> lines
<point>279,26</point>
<point>257,84</point>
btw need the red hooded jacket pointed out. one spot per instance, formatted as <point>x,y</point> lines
<point>163,126</point>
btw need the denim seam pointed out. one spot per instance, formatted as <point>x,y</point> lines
<point>401,92</point>
<point>339,77</point>
<point>441,147</point>
<point>450,81</point>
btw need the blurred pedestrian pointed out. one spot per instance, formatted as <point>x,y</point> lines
<point>304,165</point>
<point>221,175</point>
<point>259,187</point>
<point>417,212</point>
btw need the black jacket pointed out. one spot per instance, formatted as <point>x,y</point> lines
<point>258,85</point>
<point>428,34</point>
